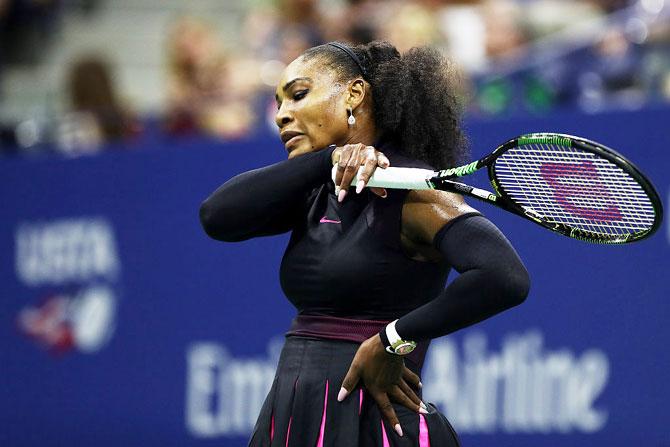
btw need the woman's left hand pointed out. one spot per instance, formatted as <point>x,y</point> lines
<point>385,377</point>
<point>349,158</point>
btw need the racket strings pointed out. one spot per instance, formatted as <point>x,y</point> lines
<point>584,202</point>
<point>575,188</point>
<point>581,196</point>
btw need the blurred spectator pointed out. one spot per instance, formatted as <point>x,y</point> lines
<point>284,32</point>
<point>409,25</point>
<point>96,116</point>
<point>358,22</point>
<point>275,35</point>
<point>612,75</point>
<point>464,30</point>
<point>483,34</point>
<point>656,59</point>
<point>4,5</point>
<point>546,17</point>
<point>505,33</point>
<point>26,29</point>
<point>516,56</point>
<point>207,91</point>
<point>300,27</point>
<point>405,23</point>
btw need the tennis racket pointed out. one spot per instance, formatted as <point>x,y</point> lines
<point>570,185</point>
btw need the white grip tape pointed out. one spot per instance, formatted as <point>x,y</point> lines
<point>395,178</point>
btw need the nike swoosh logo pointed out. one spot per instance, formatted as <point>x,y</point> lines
<point>324,219</point>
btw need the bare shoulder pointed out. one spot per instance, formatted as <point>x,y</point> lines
<point>425,212</point>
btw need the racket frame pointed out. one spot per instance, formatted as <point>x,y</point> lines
<point>444,181</point>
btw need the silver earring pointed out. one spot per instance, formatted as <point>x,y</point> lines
<point>352,119</point>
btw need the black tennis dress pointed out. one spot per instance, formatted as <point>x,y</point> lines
<point>345,272</point>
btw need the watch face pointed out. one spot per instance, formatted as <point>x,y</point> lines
<point>405,348</point>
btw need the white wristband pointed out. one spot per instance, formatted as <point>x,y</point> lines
<point>397,345</point>
<point>392,334</point>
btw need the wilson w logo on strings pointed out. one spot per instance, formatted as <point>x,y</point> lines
<point>580,191</point>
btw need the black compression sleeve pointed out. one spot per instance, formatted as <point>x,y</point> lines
<point>264,201</point>
<point>492,279</point>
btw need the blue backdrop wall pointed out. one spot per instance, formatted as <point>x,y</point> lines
<point>122,324</point>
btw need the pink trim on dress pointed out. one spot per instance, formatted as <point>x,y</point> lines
<point>385,439</point>
<point>424,440</point>
<point>319,442</point>
<point>360,401</point>
<point>272,427</point>
<point>288,431</point>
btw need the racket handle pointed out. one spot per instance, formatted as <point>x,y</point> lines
<point>396,178</point>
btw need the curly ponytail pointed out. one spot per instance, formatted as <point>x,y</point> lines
<point>414,99</point>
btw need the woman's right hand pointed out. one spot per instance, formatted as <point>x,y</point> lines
<point>386,379</point>
<point>349,158</point>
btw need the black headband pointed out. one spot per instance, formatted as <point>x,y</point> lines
<point>351,54</point>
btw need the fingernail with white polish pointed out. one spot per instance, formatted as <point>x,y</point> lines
<point>342,394</point>
<point>420,385</point>
<point>359,186</point>
<point>423,410</point>
<point>337,190</point>
<point>341,194</point>
<point>398,429</point>
<point>423,406</point>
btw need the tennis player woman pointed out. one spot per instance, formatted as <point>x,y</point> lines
<point>366,269</point>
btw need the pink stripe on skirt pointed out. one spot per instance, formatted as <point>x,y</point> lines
<point>319,443</point>
<point>272,428</point>
<point>360,401</point>
<point>424,440</point>
<point>385,439</point>
<point>288,431</point>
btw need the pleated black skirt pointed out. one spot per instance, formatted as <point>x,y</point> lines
<point>301,409</point>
